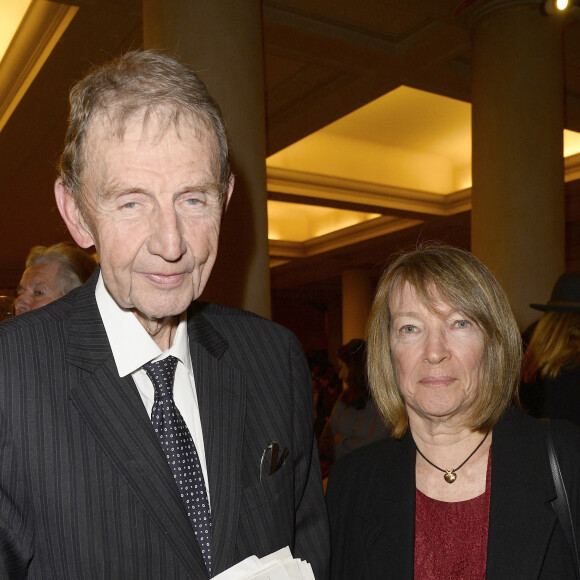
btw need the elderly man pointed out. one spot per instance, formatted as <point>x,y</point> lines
<point>52,272</point>
<point>142,434</point>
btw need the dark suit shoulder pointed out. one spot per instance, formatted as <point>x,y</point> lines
<point>515,424</point>
<point>566,437</point>
<point>566,432</point>
<point>518,433</point>
<point>370,463</point>
<point>239,328</point>
<point>519,425</point>
<point>367,455</point>
<point>231,314</point>
<point>213,309</point>
<point>52,314</point>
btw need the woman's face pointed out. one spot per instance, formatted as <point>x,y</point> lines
<point>343,373</point>
<point>438,358</point>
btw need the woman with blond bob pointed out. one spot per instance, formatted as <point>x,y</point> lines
<point>551,367</point>
<point>463,487</point>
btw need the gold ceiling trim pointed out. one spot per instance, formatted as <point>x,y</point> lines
<point>345,237</point>
<point>315,189</point>
<point>40,30</point>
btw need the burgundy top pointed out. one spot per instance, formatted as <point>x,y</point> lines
<point>451,537</point>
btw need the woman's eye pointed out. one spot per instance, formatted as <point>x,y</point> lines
<point>130,205</point>
<point>407,329</point>
<point>462,324</point>
<point>38,293</point>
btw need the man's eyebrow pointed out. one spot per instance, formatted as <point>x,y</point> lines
<point>117,190</point>
<point>206,186</point>
<point>38,283</point>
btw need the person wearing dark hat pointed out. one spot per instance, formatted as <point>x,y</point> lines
<point>550,385</point>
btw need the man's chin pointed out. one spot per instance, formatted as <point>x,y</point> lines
<point>161,311</point>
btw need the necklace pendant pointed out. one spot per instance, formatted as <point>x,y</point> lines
<point>450,476</point>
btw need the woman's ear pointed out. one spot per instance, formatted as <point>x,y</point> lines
<point>72,216</point>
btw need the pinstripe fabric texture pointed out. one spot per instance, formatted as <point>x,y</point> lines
<point>85,488</point>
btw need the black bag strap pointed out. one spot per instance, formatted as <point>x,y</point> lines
<point>561,504</point>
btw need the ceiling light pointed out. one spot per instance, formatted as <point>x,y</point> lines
<point>558,6</point>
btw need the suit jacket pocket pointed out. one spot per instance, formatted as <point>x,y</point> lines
<point>267,512</point>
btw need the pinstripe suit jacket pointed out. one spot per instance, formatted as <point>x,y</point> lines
<point>85,489</point>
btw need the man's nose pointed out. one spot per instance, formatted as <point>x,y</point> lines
<point>167,238</point>
<point>21,305</point>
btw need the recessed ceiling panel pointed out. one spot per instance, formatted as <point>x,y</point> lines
<point>294,222</point>
<point>13,12</point>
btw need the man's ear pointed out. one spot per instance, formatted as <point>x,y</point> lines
<point>229,191</point>
<point>71,214</point>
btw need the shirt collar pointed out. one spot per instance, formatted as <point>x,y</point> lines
<point>131,345</point>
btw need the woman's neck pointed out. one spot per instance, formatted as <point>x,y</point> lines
<point>448,446</point>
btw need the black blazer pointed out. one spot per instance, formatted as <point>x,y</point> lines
<point>85,489</point>
<point>556,398</point>
<point>371,505</point>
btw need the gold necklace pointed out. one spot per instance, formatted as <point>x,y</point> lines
<point>450,474</point>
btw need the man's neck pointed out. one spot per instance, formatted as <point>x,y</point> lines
<point>161,330</point>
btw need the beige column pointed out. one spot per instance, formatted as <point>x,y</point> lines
<point>517,224</point>
<point>357,295</point>
<point>223,42</point>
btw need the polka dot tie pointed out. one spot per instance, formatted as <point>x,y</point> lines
<point>179,447</point>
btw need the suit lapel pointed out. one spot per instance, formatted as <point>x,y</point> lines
<point>221,392</point>
<point>114,412</point>
<point>521,491</point>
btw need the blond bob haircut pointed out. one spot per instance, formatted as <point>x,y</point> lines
<point>555,342</point>
<point>147,84</point>
<point>439,272</point>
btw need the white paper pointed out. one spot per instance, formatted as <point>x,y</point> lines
<point>279,565</point>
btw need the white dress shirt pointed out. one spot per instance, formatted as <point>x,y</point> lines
<point>133,347</point>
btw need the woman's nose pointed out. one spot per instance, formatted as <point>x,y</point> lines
<point>436,349</point>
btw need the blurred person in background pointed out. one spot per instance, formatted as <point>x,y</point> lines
<point>52,272</point>
<point>550,385</point>
<point>354,421</point>
<point>327,388</point>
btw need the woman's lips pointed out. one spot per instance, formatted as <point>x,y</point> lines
<point>442,380</point>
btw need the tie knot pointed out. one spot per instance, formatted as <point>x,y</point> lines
<point>162,373</point>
